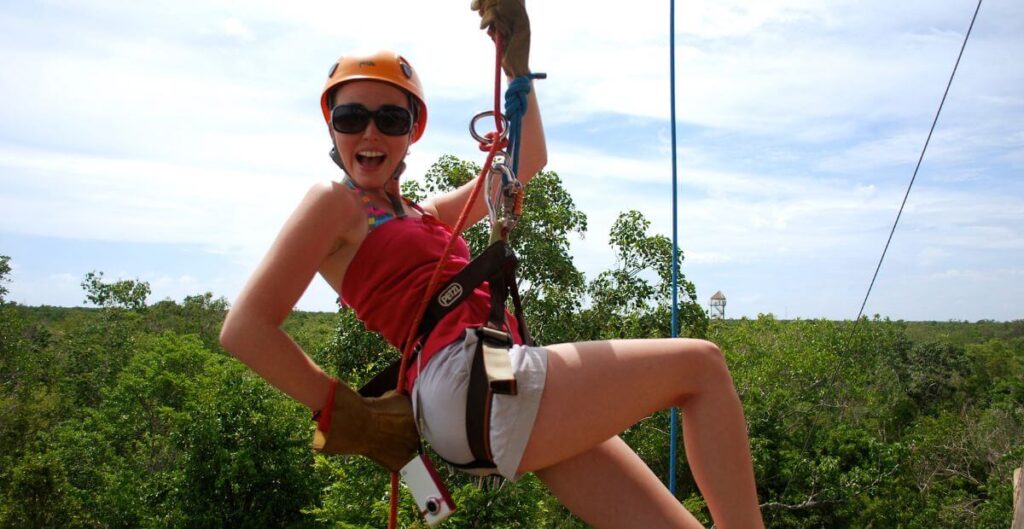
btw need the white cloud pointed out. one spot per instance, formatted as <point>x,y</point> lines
<point>712,258</point>
<point>99,198</point>
<point>196,122</point>
<point>235,28</point>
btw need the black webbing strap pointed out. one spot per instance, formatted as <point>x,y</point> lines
<point>490,374</point>
<point>460,286</point>
<point>503,284</point>
<point>478,411</point>
<point>387,379</point>
<point>498,283</point>
<point>517,306</point>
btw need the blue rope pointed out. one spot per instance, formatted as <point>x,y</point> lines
<point>674,421</point>
<point>516,99</point>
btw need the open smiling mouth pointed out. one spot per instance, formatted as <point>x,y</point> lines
<point>370,159</point>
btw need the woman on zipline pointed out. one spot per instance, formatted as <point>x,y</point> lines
<point>377,251</point>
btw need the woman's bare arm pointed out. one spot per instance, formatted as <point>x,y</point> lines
<point>252,330</point>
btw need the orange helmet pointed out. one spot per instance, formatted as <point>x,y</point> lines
<point>385,66</point>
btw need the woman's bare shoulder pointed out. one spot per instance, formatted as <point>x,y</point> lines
<point>329,209</point>
<point>332,201</point>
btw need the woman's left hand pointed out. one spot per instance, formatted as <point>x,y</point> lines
<point>508,17</point>
<point>381,428</point>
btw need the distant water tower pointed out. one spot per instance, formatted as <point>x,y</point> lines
<point>718,305</point>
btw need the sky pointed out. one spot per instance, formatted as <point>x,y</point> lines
<point>167,141</point>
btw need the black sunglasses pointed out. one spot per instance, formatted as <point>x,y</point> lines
<point>352,118</point>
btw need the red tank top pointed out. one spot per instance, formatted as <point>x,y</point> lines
<point>388,277</point>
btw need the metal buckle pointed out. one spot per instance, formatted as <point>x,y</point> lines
<point>494,346</point>
<point>495,336</point>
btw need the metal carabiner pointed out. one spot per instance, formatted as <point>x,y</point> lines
<point>499,167</point>
<point>486,113</point>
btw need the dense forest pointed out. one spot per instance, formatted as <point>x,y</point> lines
<point>130,414</point>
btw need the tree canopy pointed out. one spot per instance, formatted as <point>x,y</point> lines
<point>131,415</point>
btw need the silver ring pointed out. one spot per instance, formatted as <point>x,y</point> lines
<point>486,113</point>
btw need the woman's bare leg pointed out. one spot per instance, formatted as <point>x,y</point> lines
<point>609,486</point>
<point>595,390</point>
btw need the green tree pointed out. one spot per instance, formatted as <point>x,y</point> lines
<point>246,456</point>
<point>106,420</point>
<point>90,351</point>
<point>5,270</point>
<point>182,437</point>
<point>842,437</point>
<point>29,404</point>
<point>933,373</point>
<point>200,314</point>
<point>36,495</point>
<point>633,300</point>
<point>126,293</point>
<point>354,354</point>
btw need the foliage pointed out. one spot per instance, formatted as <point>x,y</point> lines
<point>130,415</point>
<point>854,425</point>
<point>126,293</point>
<point>182,436</point>
<point>246,459</point>
<point>353,354</point>
<point>956,333</point>
<point>201,315</point>
<point>624,301</point>
<point>178,437</point>
<point>5,270</point>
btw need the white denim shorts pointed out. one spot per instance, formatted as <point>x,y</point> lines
<point>439,400</point>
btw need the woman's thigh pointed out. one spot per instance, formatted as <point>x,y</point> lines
<point>595,390</point>
<point>610,486</point>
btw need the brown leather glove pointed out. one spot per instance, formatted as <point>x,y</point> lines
<point>509,18</point>
<point>381,428</point>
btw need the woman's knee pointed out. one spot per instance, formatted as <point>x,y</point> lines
<point>705,357</point>
<point>707,348</point>
<point>698,348</point>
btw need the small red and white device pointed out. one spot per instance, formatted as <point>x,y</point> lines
<point>430,493</point>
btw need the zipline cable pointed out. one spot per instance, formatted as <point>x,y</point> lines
<point>829,381</point>
<point>674,420</point>
<point>919,159</point>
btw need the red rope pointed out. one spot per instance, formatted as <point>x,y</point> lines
<point>435,278</point>
<point>393,514</point>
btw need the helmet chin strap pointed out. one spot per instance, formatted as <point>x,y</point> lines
<point>391,189</point>
<point>396,196</point>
